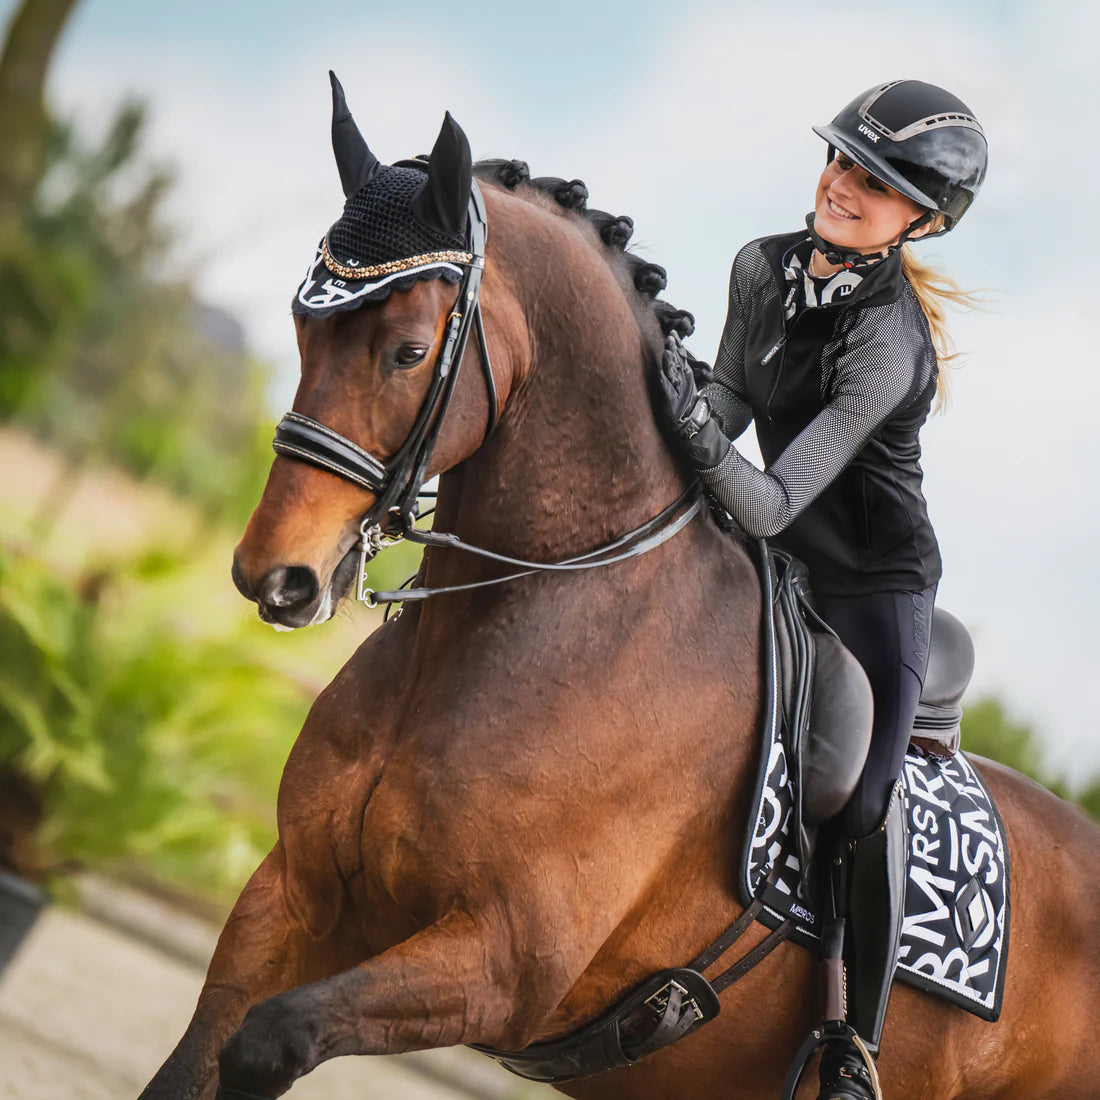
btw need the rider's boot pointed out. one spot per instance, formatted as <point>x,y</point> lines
<point>874,869</point>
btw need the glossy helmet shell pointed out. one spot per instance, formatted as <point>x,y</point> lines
<point>919,139</point>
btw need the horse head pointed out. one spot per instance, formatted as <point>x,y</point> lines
<point>397,284</point>
<point>373,316</point>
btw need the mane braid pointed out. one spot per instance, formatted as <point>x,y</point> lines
<point>613,230</point>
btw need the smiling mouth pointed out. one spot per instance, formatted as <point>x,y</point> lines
<point>839,211</point>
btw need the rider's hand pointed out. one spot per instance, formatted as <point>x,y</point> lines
<point>688,413</point>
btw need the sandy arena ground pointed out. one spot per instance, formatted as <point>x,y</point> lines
<point>88,1011</point>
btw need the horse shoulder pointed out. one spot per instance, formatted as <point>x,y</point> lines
<point>329,777</point>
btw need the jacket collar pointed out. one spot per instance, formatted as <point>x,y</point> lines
<point>882,282</point>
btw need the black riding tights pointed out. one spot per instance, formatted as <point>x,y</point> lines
<point>889,634</point>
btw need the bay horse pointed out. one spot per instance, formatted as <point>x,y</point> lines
<point>514,803</point>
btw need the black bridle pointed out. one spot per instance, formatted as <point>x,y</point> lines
<point>397,484</point>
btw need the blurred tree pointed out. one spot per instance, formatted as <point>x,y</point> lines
<point>104,348</point>
<point>29,43</point>
<point>988,730</point>
<point>1089,799</point>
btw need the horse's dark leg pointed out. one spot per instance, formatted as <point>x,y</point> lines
<point>458,981</point>
<point>260,952</point>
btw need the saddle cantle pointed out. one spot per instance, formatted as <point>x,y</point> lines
<point>936,728</point>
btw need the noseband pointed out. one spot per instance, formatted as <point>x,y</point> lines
<point>397,484</point>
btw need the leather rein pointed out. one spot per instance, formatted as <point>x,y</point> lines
<point>397,484</point>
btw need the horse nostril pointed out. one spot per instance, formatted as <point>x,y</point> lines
<point>291,586</point>
<point>243,587</point>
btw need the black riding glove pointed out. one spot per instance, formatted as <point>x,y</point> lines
<point>688,414</point>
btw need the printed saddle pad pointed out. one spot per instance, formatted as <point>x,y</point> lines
<point>955,934</point>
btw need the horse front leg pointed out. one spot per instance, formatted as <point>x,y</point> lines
<point>458,981</point>
<point>262,950</point>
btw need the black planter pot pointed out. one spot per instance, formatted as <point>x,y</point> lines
<point>20,904</point>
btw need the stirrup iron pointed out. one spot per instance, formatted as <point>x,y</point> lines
<point>817,1040</point>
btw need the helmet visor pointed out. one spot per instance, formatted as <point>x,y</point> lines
<point>940,169</point>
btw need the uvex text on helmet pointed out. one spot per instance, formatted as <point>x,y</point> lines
<point>919,139</point>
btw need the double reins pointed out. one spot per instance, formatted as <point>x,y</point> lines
<point>398,484</point>
<point>639,541</point>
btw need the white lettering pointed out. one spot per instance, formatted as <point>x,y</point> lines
<point>925,820</point>
<point>925,849</point>
<point>982,855</point>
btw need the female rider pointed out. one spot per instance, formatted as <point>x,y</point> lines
<point>832,345</point>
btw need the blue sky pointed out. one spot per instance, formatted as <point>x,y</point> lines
<point>695,120</point>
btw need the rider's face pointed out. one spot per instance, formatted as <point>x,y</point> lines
<point>855,210</point>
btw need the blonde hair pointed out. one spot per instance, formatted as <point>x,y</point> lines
<point>935,292</point>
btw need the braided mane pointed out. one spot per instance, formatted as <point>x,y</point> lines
<point>614,230</point>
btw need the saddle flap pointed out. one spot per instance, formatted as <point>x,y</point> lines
<point>827,704</point>
<point>841,716</point>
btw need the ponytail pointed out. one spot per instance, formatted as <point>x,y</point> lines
<point>936,291</point>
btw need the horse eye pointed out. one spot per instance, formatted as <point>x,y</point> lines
<point>408,355</point>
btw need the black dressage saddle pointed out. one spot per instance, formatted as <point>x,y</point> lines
<point>825,701</point>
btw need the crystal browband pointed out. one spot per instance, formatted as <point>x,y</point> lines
<point>345,271</point>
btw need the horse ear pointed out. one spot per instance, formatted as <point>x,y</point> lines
<point>356,162</point>
<point>444,200</point>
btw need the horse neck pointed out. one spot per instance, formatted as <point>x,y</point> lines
<point>577,458</point>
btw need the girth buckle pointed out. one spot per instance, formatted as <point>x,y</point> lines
<point>659,1001</point>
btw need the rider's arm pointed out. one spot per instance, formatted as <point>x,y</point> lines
<point>727,395</point>
<point>877,373</point>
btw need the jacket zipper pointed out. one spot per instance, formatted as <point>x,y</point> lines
<point>780,345</point>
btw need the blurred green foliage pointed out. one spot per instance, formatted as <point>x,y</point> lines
<point>137,727</point>
<point>145,735</point>
<point>988,730</point>
<point>149,745</point>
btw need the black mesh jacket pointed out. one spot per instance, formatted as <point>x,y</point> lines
<point>838,393</point>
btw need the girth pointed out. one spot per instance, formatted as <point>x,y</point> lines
<point>664,1008</point>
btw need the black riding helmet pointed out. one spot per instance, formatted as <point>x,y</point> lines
<point>919,139</point>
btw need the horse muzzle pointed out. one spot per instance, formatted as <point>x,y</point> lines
<point>292,596</point>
